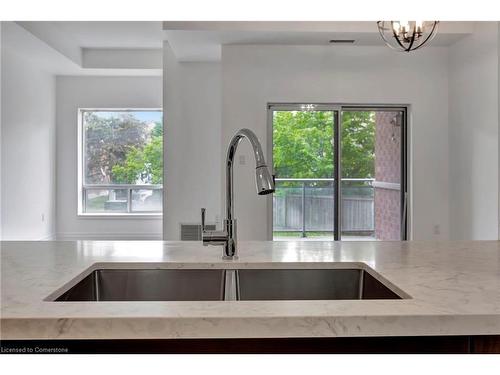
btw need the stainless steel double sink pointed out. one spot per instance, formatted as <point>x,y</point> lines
<point>227,284</point>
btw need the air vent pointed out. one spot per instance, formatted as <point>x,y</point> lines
<point>192,232</point>
<point>342,41</point>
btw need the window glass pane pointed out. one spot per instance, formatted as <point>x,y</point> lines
<point>123,147</point>
<point>358,170</point>
<point>371,175</point>
<point>122,155</point>
<point>303,209</point>
<point>303,144</point>
<point>103,200</point>
<point>147,200</point>
<point>303,203</point>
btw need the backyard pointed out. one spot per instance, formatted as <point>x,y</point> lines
<point>303,149</point>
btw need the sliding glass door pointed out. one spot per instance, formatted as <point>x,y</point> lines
<point>371,168</point>
<point>303,160</point>
<point>340,172</point>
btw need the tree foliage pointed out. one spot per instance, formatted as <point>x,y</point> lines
<point>122,149</point>
<point>143,164</point>
<point>358,144</point>
<point>107,141</point>
<point>303,144</point>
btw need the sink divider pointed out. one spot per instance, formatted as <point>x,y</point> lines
<point>231,285</point>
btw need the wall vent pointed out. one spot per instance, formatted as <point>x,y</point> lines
<point>192,232</point>
<point>342,41</point>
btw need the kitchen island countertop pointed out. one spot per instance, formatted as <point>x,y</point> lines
<point>454,289</point>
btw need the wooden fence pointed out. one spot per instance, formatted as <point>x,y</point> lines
<point>313,210</point>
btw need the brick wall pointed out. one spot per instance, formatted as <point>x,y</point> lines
<point>387,169</point>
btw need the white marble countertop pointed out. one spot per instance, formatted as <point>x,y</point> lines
<point>454,289</point>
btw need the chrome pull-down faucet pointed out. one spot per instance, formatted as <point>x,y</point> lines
<point>264,184</point>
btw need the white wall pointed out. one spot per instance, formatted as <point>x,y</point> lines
<point>253,76</point>
<point>192,102</point>
<point>27,140</point>
<point>473,132</point>
<point>97,92</point>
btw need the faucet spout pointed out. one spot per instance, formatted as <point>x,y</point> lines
<point>263,179</point>
<point>264,183</point>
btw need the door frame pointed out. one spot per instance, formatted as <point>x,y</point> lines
<point>337,108</point>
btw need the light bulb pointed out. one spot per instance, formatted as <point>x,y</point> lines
<point>419,26</point>
<point>396,27</point>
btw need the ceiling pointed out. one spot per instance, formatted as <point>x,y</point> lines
<point>113,34</point>
<point>49,55</point>
<point>201,41</point>
<point>109,45</point>
<point>136,44</point>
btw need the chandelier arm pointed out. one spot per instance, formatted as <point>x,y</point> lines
<point>397,38</point>
<point>412,39</point>
<point>381,32</point>
<point>399,42</point>
<point>431,36</point>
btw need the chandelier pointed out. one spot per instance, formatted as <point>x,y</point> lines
<point>407,35</point>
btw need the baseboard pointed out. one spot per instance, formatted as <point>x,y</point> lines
<point>105,236</point>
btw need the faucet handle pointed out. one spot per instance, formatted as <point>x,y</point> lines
<point>203,219</point>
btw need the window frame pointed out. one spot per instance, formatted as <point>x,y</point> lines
<point>81,186</point>
<point>406,165</point>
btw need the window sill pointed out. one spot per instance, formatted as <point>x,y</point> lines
<point>153,216</point>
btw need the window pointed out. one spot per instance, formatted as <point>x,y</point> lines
<point>120,162</point>
<point>340,172</point>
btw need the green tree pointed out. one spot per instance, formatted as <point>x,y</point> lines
<point>108,140</point>
<point>303,144</point>
<point>157,130</point>
<point>358,144</point>
<point>143,164</point>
